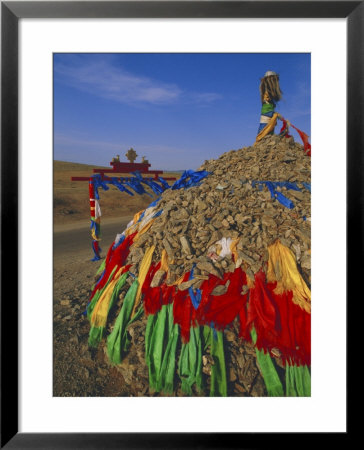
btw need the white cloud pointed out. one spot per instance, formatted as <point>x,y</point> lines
<point>64,140</point>
<point>207,97</point>
<point>102,78</point>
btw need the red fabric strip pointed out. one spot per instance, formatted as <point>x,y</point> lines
<point>279,323</point>
<point>262,313</point>
<point>284,128</point>
<point>304,137</point>
<point>222,309</point>
<point>115,258</point>
<point>91,192</point>
<point>183,311</point>
<point>152,297</point>
<point>294,338</point>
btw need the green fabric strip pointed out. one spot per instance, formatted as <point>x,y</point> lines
<point>306,381</point>
<point>118,286</point>
<point>95,337</point>
<point>117,341</point>
<point>155,353</point>
<point>148,334</point>
<point>190,362</point>
<point>161,339</point>
<point>218,370</point>
<point>267,107</point>
<point>269,373</point>
<point>298,381</point>
<point>290,388</point>
<point>99,270</point>
<point>166,378</point>
<point>137,315</point>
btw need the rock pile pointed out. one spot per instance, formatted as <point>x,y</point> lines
<point>220,229</point>
<point>233,203</point>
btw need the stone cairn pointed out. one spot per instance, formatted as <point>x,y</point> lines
<point>227,205</point>
<point>235,202</point>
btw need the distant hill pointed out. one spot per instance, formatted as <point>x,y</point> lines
<point>71,198</point>
<point>72,166</point>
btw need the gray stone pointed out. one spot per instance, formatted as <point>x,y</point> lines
<point>186,247</point>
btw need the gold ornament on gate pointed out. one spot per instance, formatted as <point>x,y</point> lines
<point>131,155</point>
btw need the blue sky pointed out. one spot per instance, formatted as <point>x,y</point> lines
<point>177,110</point>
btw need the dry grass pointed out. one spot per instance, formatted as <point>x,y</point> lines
<point>71,198</point>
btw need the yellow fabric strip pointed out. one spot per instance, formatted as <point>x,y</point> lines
<point>164,261</point>
<point>137,216</point>
<point>143,270</point>
<point>118,273</point>
<point>268,128</point>
<point>99,314</point>
<point>143,230</point>
<point>282,268</point>
<point>94,237</point>
<point>250,282</point>
<point>178,281</point>
<point>93,233</point>
<point>148,215</point>
<point>130,230</point>
<point>233,249</point>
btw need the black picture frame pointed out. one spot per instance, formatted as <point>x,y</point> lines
<point>11,12</point>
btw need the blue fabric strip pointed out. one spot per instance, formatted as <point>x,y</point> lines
<point>272,186</point>
<point>157,214</point>
<point>190,178</point>
<point>119,185</point>
<point>154,186</point>
<point>195,296</point>
<point>98,182</point>
<point>120,241</point>
<point>268,114</point>
<point>97,256</point>
<point>307,186</point>
<point>99,280</point>
<point>261,126</point>
<point>141,216</point>
<point>136,186</point>
<point>154,203</point>
<point>163,182</point>
<point>149,182</point>
<point>284,200</point>
<point>213,330</point>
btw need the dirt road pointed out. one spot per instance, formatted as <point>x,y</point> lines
<point>74,240</point>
